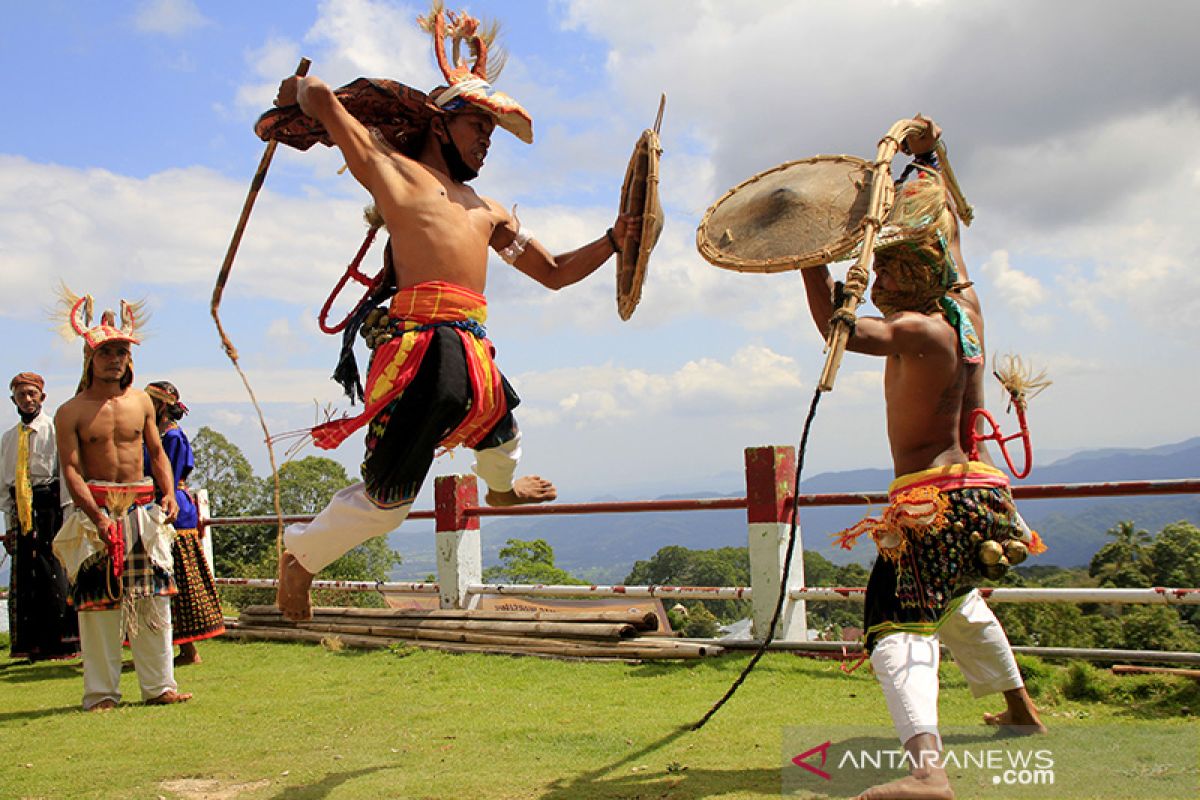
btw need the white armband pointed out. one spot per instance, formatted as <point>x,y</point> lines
<point>511,253</point>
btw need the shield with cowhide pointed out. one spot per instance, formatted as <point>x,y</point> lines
<point>639,197</point>
<point>796,215</point>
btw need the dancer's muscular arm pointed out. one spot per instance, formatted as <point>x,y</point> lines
<point>66,422</point>
<point>555,272</point>
<point>365,157</point>
<point>898,334</point>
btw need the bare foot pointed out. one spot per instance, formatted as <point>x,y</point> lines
<point>1020,718</point>
<point>1016,724</point>
<point>186,657</point>
<point>526,490</point>
<point>169,698</point>
<point>104,705</point>
<point>933,785</point>
<point>291,595</point>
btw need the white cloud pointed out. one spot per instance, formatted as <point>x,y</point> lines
<point>96,228</point>
<point>755,379</point>
<point>170,17</point>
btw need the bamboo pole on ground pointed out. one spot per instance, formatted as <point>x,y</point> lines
<point>639,649</point>
<point>647,621</point>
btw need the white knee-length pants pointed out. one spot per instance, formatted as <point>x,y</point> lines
<point>351,518</point>
<point>906,665</point>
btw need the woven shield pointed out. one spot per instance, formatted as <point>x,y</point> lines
<point>796,215</point>
<point>639,197</point>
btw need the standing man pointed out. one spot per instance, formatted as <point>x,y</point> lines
<point>432,381</point>
<point>116,544</point>
<point>943,506</point>
<point>41,622</point>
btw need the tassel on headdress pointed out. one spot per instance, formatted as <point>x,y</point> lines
<point>1019,381</point>
<point>472,84</point>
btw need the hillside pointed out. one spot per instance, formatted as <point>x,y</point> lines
<point>604,547</point>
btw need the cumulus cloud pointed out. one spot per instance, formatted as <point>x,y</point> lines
<point>94,227</point>
<point>754,380</point>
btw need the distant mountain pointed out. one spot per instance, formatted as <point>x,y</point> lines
<point>605,546</point>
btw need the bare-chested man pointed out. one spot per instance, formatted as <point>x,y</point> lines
<point>942,503</point>
<point>116,544</point>
<point>432,381</point>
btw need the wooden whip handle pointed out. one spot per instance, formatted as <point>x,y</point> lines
<point>882,193</point>
<point>256,183</point>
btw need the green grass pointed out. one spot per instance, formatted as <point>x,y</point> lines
<point>299,721</point>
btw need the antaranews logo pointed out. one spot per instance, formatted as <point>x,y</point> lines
<point>859,765</point>
<point>1135,760</point>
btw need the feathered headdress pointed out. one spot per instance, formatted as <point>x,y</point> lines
<point>472,85</point>
<point>75,316</point>
<point>398,112</point>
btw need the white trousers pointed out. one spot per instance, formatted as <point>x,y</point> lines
<point>100,639</point>
<point>906,665</point>
<point>351,518</point>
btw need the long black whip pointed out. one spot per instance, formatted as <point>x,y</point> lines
<point>787,566</point>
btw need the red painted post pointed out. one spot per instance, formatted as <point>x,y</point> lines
<point>459,552</point>
<point>769,475</point>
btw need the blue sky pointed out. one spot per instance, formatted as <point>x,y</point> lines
<point>127,152</point>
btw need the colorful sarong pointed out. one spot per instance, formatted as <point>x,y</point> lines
<point>415,313</point>
<point>927,560</point>
<point>101,582</point>
<point>196,607</point>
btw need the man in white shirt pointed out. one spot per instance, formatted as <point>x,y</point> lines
<point>41,623</point>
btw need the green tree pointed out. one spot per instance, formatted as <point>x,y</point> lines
<point>1175,556</point>
<point>1175,562</point>
<point>528,562</point>
<point>678,566</point>
<point>233,491</point>
<point>1123,562</point>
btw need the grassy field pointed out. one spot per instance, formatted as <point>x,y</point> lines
<point>302,721</point>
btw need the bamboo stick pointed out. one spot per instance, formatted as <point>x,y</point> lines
<point>599,630</point>
<point>647,621</point>
<point>626,650</point>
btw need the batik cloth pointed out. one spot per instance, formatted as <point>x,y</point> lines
<point>434,383</point>
<point>196,606</point>
<point>927,560</point>
<point>141,564</point>
<point>41,622</point>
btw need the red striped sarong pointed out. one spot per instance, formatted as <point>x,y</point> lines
<point>418,310</point>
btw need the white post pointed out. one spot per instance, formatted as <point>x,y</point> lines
<point>459,551</point>
<point>769,475</point>
<point>206,532</point>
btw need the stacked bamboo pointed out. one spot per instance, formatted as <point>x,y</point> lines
<point>596,635</point>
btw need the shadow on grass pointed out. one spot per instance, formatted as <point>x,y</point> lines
<point>681,782</point>
<point>28,672</point>
<point>322,788</point>
<point>690,783</point>
<point>38,713</point>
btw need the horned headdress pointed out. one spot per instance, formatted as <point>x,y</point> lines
<point>399,112</point>
<point>472,85</point>
<point>75,314</point>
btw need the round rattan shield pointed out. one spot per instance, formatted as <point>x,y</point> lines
<point>639,196</point>
<point>796,215</point>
